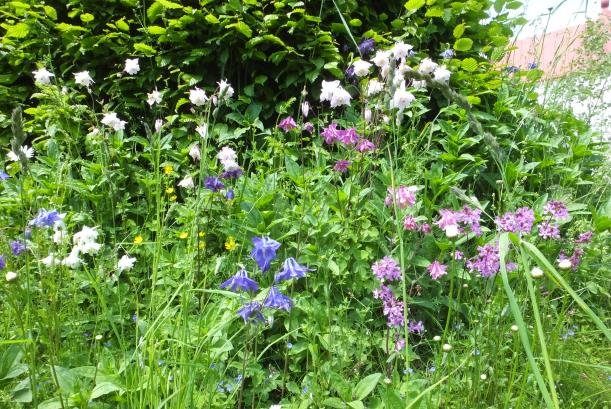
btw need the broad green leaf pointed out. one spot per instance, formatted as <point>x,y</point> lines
<point>459,30</point>
<point>122,25</point>
<point>169,4</point>
<point>104,388</point>
<point>242,28</point>
<point>434,12</point>
<point>469,64</point>
<point>51,12</point>
<point>19,30</point>
<point>212,19</point>
<point>144,49</point>
<point>413,5</point>
<point>474,100</point>
<point>356,404</point>
<point>156,30</point>
<point>366,386</point>
<point>334,403</point>
<point>87,17</point>
<point>463,44</point>
<point>65,27</point>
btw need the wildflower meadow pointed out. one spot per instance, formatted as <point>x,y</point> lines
<point>294,204</point>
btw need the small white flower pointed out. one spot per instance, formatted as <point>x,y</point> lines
<point>195,153</point>
<point>451,231</point>
<point>99,337</point>
<point>154,97</point>
<point>158,124</point>
<point>419,84</point>
<point>446,347</point>
<point>381,58</point>
<point>73,260</point>
<point>328,89</point>
<point>386,119</point>
<point>514,328</point>
<point>305,109</point>
<point>202,130</point>
<point>427,66</point>
<point>436,338</point>
<point>187,182</point>
<point>126,263</point>
<point>50,260</point>
<point>84,241</point>
<point>198,96</point>
<point>83,78</point>
<point>25,150</point>
<point>10,276</point>
<point>374,87</point>
<point>401,50</point>
<point>402,98</point>
<point>43,76</point>
<point>483,377</point>
<point>228,158</point>
<point>565,264</point>
<point>275,407</point>
<point>385,70</point>
<point>225,90</point>
<point>536,272</point>
<point>110,119</point>
<point>442,74</point>
<point>340,97</point>
<point>367,115</point>
<point>361,68</point>
<point>131,66</point>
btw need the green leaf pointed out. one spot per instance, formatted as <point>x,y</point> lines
<point>334,403</point>
<point>356,404</point>
<point>469,64</point>
<point>212,19</point>
<point>366,386</point>
<point>122,25</point>
<point>434,12</point>
<point>104,388</point>
<point>242,28</point>
<point>19,30</point>
<point>293,170</point>
<point>145,49</point>
<point>474,100</point>
<point>413,5</point>
<point>459,30</point>
<point>51,12</point>
<point>156,30</point>
<point>65,27</point>
<point>169,4</point>
<point>463,44</point>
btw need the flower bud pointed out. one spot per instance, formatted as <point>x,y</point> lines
<point>565,264</point>
<point>536,272</point>
<point>11,276</point>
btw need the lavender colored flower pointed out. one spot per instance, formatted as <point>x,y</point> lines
<point>240,281</point>
<point>448,218</point>
<point>3,175</point>
<point>524,219</point>
<point>232,173</point>
<point>449,53</point>
<point>291,269</point>
<point>309,127</point>
<point>2,262</point>
<point>399,344</point>
<point>403,196</point>
<point>330,133</point>
<point>409,223</point>
<point>342,166</point>
<point>386,269</point>
<point>251,312</point>
<point>487,262</point>
<point>229,195</point>
<point>213,184</point>
<point>287,124</point>
<point>533,65</point>
<point>393,310</point>
<point>512,69</point>
<point>576,258</point>
<point>549,230</point>
<point>436,270</point>
<point>556,209</point>
<point>17,247</point>
<point>511,266</point>
<point>415,327</point>
<point>46,218</point>
<point>275,299</point>
<point>348,136</point>
<point>264,251</point>
<point>365,145</point>
<point>584,237</point>
<point>383,293</point>
<point>425,228</point>
<point>458,255</point>
<point>470,217</point>
<point>366,46</point>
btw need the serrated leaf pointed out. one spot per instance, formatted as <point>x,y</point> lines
<point>145,49</point>
<point>19,30</point>
<point>463,44</point>
<point>51,12</point>
<point>459,30</point>
<point>469,64</point>
<point>413,5</point>
<point>154,11</point>
<point>473,100</point>
<point>169,4</point>
<point>65,27</point>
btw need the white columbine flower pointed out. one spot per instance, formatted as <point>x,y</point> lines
<point>442,74</point>
<point>452,231</point>
<point>328,88</point>
<point>84,241</point>
<point>126,263</point>
<point>50,260</point>
<point>153,98</point>
<point>131,66</point>
<point>427,66</point>
<point>158,124</point>
<point>419,84</point>
<point>374,87</point>
<point>361,68</point>
<point>367,115</point>
<point>305,109</point>
<point>402,98</point>
<point>401,50</point>
<point>381,58</point>
<point>25,149</point>
<point>111,120</point>
<point>73,260</point>
<point>195,153</point>
<point>198,96</point>
<point>10,276</point>
<point>536,272</point>
<point>227,157</point>
<point>43,76</point>
<point>83,78</point>
<point>187,182</point>
<point>340,97</point>
<point>225,90</point>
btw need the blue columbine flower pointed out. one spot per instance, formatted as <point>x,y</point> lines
<point>533,65</point>
<point>264,251</point>
<point>17,247</point>
<point>366,46</point>
<point>447,54</point>
<point>240,281</point>
<point>275,299</point>
<point>46,218</point>
<point>230,194</point>
<point>291,269</point>
<point>213,184</point>
<point>232,173</point>
<point>251,312</point>
<point>2,262</point>
<point>3,175</point>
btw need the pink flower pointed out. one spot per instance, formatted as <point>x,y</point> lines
<point>309,127</point>
<point>287,124</point>
<point>448,218</point>
<point>436,270</point>
<point>341,166</point>
<point>365,145</point>
<point>425,228</point>
<point>387,269</point>
<point>409,223</point>
<point>403,196</point>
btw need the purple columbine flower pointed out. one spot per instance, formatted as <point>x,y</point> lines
<point>436,269</point>
<point>3,175</point>
<point>2,262</point>
<point>512,69</point>
<point>549,230</point>
<point>17,247</point>
<point>213,184</point>
<point>230,194</point>
<point>348,136</point>
<point>46,218</point>
<point>251,312</point>
<point>232,173</point>
<point>409,223</point>
<point>487,262</point>
<point>330,133</point>
<point>533,65</point>
<point>415,327</point>
<point>241,281</point>
<point>519,222</point>
<point>342,166</point>
<point>584,238</point>
<point>287,124</point>
<point>264,251</point>
<point>365,145</point>
<point>291,269</point>
<point>386,269</point>
<point>556,209</point>
<point>309,127</point>
<point>366,46</point>
<point>275,299</point>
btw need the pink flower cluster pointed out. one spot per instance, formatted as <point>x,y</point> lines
<point>436,270</point>
<point>348,137</point>
<point>393,308</point>
<point>556,209</point>
<point>386,269</point>
<point>519,222</point>
<point>403,196</point>
<point>450,221</point>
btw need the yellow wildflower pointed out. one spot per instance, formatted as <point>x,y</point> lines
<point>173,198</point>
<point>230,244</point>
<point>169,190</point>
<point>183,235</point>
<point>167,169</point>
<point>201,234</point>
<point>138,239</point>
<point>201,245</point>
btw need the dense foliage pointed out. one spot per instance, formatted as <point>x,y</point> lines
<point>226,205</point>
